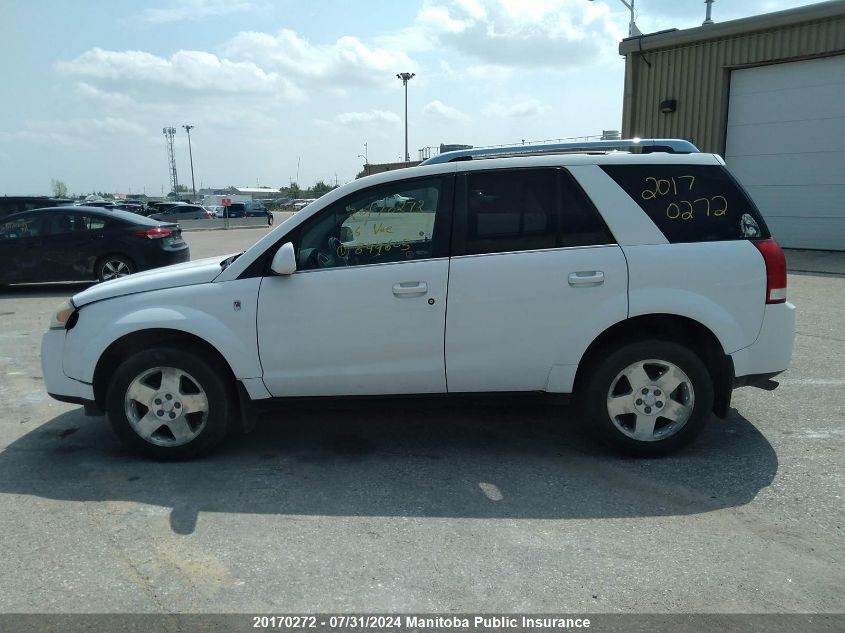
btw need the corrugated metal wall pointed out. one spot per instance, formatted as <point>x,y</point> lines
<point>698,76</point>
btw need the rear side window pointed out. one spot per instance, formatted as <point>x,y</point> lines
<point>527,209</point>
<point>691,203</point>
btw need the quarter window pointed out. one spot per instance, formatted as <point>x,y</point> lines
<point>390,223</point>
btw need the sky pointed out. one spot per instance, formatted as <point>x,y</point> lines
<point>292,90</point>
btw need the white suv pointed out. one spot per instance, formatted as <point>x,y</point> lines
<point>646,284</point>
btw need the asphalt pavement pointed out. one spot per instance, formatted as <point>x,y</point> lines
<point>473,506</point>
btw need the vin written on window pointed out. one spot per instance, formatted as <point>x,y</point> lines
<point>691,203</point>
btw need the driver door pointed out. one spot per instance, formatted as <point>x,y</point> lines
<point>365,312</point>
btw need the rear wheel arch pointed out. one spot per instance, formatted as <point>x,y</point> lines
<point>671,327</point>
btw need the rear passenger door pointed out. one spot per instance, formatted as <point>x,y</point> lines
<point>71,245</point>
<point>535,276</point>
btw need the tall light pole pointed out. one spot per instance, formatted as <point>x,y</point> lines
<point>188,129</point>
<point>632,27</point>
<point>406,77</point>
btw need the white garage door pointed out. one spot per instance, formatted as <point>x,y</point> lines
<point>786,144</point>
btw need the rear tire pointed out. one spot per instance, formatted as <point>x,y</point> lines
<point>649,397</point>
<point>114,267</point>
<point>170,403</point>
<point>270,219</point>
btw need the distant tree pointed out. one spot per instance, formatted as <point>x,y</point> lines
<point>181,188</point>
<point>59,188</point>
<point>320,188</point>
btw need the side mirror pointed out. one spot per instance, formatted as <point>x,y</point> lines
<point>284,261</point>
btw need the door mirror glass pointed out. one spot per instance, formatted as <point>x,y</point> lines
<point>284,261</point>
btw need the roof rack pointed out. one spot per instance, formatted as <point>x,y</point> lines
<point>647,145</point>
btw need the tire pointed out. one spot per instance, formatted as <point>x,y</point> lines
<point>196,403</point>
<point>270,219</point>
<point>624,406</point>
<point>114,267</point>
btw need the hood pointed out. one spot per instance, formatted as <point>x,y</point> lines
<point>199,271</point>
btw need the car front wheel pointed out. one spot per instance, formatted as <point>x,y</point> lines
<point>649,397</point>
<point>170,403</point>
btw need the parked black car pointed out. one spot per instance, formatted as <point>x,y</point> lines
<point>249,210</point>
<point>73,243</point>
<point>17,204</point>
<point>181,212</point>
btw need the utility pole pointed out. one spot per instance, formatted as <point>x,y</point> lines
<point>169,133</point>
<point>406,77</point>
<point>708,18</point>
<point>188,129</point>
<point>366,160</point>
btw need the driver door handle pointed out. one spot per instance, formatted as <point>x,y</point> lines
<point>410,289</point>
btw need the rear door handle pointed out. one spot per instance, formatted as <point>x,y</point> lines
<point>586,278</point>
<point>410,288</point>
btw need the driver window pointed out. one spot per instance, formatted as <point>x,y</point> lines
<point>389,223</point>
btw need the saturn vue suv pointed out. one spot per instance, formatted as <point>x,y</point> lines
<point>644,283</point>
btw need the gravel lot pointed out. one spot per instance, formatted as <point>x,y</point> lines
<point>429,507</point>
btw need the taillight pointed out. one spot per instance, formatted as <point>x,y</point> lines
<point>155,233</point>
<point>775,270</point>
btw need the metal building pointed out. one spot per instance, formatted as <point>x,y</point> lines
<point>768,94</point>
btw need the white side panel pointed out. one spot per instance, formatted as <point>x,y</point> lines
<point>722,285</point>
<point>515,323</point>
<point>205,310</point>
<point>344,331</point>
<point>786,145</point>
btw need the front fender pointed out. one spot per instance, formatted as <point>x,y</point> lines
<point>223,314</point>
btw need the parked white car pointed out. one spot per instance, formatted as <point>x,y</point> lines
<point>647,285</point>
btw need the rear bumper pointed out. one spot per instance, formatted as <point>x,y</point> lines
<point>58,385</point>
<point>771,352</point>
<point>160,257</point>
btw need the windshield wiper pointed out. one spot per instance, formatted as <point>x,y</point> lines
<point>229,260</point>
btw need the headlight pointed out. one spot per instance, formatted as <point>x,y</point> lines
<point>60,317</point>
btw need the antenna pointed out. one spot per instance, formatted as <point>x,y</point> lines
<point>169,133</point>
<point>707,19</point>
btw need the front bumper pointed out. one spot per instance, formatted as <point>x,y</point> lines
<point>58,385</point>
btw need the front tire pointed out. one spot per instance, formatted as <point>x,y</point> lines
<point>114,267</point>
<point>649,397</point>
<point>170,403</point>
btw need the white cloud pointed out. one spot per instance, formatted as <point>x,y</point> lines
<point>378,122</point>
<point>195,10</point>
<point>536,34</point>
<point>348,61</point>
<point>187,70</point>
<point>517,109</point>
<point>440,111</point>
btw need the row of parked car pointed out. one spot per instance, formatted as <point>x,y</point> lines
<point>175,211</point>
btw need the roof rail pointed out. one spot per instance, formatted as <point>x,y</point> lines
<point>669,145</point>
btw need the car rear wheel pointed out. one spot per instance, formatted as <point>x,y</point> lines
<point>269,219</point>
<point>649,397</point>
<point>113,267</point>
<point>170,403</point>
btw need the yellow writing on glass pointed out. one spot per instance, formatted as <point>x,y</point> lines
<point>685,210</point>
<point>663,186</point>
